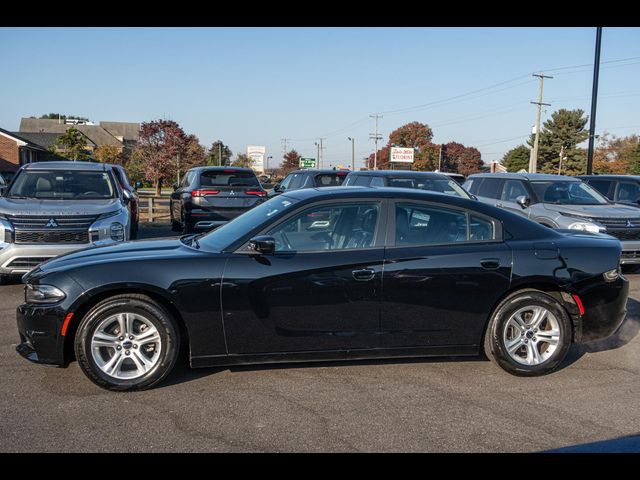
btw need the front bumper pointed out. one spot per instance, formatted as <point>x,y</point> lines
<point>40,339</point>
<point>605,309</point>
<point>630,252</point>
<point>16,258</point>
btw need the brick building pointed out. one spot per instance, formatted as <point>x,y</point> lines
<point>16,150</point>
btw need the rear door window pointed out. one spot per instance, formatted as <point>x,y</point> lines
<point>329,180</point>
<point>513,189</point>
<point>627,192</point>
<point>489,187</point>
<point>228,178</point>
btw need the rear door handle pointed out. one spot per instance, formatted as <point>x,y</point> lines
<point>490,263</point>
<point>363,274</point>
<point>499,205</point>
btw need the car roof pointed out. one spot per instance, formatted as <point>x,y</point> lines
<point>399,173</point>
<point>222,169</point>
<point>317,171</point>
<point>611,177</point>
<point>525,176</point>
<point>67,165</point>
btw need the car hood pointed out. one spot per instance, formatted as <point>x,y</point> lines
<point>595,211</point>
<point>137,250</point>
<point>34,206</point>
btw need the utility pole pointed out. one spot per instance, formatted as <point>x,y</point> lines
<point>353,152</point>
<point>562,157</point>
<point>594,101</point>
<point>220,154</point>
<point>284,147</point>
<point>375,137</point>
<point>533,159</point>
<point>320,148</point>
<point>440,159</point>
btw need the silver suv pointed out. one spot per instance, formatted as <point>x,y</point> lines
<point>53,208</point>
<point>558,201</point>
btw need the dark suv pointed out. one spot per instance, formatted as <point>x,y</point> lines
<point>623,189</point>
<point>208,197</point>
<point>431,181</point>
<point>310,178</point>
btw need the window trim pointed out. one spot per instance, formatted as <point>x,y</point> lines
<point>379,238</point>
<point>391,225</point>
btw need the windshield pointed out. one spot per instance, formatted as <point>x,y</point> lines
<point>567,193</point>
<point>441,185</point>
<point>62,185</point>
<point>220,238</point>
<point>228,178</point>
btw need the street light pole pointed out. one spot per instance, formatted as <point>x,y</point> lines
<point>353,153</point>
<point>594,101</point>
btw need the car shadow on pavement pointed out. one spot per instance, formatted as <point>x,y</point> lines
<point>626,332</point>
<point>182,373</point>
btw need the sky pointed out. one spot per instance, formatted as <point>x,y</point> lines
<point>256,86</point>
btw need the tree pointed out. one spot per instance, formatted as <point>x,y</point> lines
<point>517,159</point>
<point>161,141</point>
<point>411,135</point>
<point>634,160</point>
<point>291,162</point>
<point>193,154</point>
<point>243,160</point>
<point>564,131</point>
<point>109,154</point>
<point>72,145</point>
<point>56,116</point>
<point>456,158</point>
<point>214,157</point>
<point>617,155</point>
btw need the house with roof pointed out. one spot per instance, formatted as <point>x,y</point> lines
<point>122,135</point>
<point>16,150</point>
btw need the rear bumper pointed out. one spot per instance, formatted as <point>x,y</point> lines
<point>201,218</point>
<point>605,309</point>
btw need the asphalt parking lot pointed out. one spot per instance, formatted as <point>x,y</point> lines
<point>444,405</point>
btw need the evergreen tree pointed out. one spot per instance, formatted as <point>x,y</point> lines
<point>517,159</point>
<point>563,132</point>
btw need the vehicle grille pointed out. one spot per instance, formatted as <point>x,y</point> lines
<point>52,236</point>
<point>37,222</point>
<point>618,223</point>
<point>27,262</point>
<point>630,254</point>
<point>630,234</point>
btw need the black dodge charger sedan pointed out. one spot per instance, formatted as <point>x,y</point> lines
<point>327,274</point>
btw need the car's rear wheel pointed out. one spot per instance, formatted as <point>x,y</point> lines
<point>529,333</point>
<point>186,228</point>
<point>127,342</point>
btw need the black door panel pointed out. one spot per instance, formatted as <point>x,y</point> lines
<point>302,301</point>
<point>441,295</point>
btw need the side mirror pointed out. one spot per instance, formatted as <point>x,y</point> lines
<point>138,185</point>
<point>126,196</point>
<point>523,201</point>
<point>263,244</point>
<point>276,187</point>
<point>2,190</point>
<point>175,186</point>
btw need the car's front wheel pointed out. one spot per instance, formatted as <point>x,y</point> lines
<point>529,333</point>
<point>127,342</point>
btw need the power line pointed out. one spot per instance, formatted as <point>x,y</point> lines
<point>375,137</point>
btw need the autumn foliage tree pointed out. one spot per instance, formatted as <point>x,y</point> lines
<point>109,154</point>
<point>243,160</point>
<point>412,135</point>
<point>71,145</point>
<point>161,141</point>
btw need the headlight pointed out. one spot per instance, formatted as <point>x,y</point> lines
<point>110,214</point>
<point>117,232</point>
<point>42,294</point>
<point>586,227</point>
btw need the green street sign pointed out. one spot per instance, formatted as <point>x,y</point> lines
<point>307,162</point>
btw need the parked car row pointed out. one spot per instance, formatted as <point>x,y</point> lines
<point>371,265</point>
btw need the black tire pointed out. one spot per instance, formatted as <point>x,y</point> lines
<point>133,232</point>
<point>495,348</point>
<point>3,279</point>
<point>186,228</point>
<point>152,311</point>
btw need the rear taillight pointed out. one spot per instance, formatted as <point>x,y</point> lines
<point>203,193</point>
<point>260,193</point>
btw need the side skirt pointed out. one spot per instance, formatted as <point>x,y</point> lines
<point>334,355</point>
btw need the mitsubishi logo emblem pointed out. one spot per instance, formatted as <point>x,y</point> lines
<point>231,192</point>
<point>52,223</point>
<point>629,224</point>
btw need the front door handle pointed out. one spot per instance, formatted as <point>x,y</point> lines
<point>364,274</point>
<point>490,263</point>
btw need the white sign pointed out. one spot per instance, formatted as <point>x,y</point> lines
<point>401,155</point>
<point>256,154</point>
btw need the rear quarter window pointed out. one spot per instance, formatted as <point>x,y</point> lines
<point>490,187</point>
<point>329,180</point>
